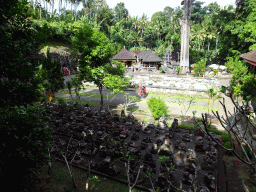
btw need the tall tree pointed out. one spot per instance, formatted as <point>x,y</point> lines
<point>24,133</point>
<point>197,11</point>
<point>143,24</point>
<point>212,8</point>
<point>120,11</point>
<point>157,17</point>
<point>94,60</point>
<point>168,13</point>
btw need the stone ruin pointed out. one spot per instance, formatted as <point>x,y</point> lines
<point>104,137</point>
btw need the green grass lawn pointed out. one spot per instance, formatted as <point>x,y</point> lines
<point>182,97</point>
<point>85,94</point>
<point>73,100</point>
<point>138,110</point>
<point>192,107</point>
<point>88,87</point>
<point>60,179</point>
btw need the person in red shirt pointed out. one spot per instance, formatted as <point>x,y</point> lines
<point>144,92</point>
<point>140,91</point>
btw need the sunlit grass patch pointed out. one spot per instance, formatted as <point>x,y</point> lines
<point>82,102</point>
<point>192,107</point>
<point>85,94</point>
<point>198,98</point>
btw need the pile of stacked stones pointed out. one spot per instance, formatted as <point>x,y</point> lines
<point>85,134</point>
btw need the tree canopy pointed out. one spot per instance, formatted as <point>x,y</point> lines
<point>93,52</point>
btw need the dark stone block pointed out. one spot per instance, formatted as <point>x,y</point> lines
<point>116,118</point>
<point>147,168</point>
<point>159,142</point>
<point>123,114</point>
<point>198,132</point>
<point>169,135</point>
<point>186,137</point>
<point>187,178</point>
<point>191,168</point>
<point>148,140</point>
<point>137,128</point>
<point>161,181</point>
<point>153,149</point>
<point>180,145</point>
<point>146,130</point>
<point>204,189</point>
<point>199,143</point>
<point>134,150</point>
<point>135,137</point>
<point>209,179</point>
<point>103,152</point>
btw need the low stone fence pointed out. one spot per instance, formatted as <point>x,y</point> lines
<point>169,90</point>
<point>153,69</point>
<point>182,83</point>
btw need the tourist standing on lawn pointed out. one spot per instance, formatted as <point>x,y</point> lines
<point>144,92</point>
<point>140,91</point>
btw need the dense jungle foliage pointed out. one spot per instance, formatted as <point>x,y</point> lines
<point>216,33</point>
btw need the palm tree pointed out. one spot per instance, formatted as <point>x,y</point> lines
<point>143,23</point>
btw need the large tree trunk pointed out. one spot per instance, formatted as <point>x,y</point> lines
<point>46,6</point>
<point>185,33</point>
<point>52,8</point>
<point>34,6</point>
<point>217,39</point>
<point>40,11</point>
<point>71,10</point>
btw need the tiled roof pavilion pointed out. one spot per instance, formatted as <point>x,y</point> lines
<point>250,57</point>
<point>124,54</point>
<point>149,56</point>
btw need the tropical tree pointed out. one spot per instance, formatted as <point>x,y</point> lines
<point>24,132</point>
<point>50,74</point>
<point>93,51</point>
<point>197,11</point>
<point>120,12</point>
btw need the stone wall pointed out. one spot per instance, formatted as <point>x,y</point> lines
<point>184,83</point>
<point>181,85</point>
<point>184,92</point>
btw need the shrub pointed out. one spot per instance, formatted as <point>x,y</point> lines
<point>49,73</point>
<point>60,100</point>
<point>184,126</point>
<point>199,68</point>
<point>228,145</point>
<point>160,69</point>
<point>215,72</point>
<point>157,107</point>
<point>225,137</point>
<point>242,80</point>
<point>178,69</point>
<point>247,150</point>
<point>26,138</point>
<point>215,131</point>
